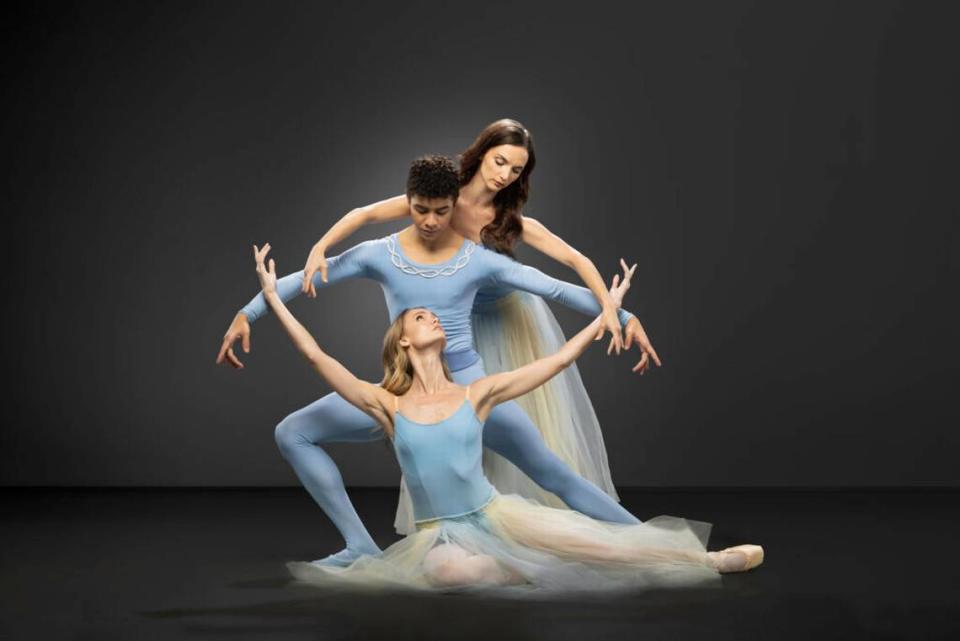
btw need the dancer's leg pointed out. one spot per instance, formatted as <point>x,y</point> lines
<point>328,420</point>
<point>510,433</point>
<point>582,540</point>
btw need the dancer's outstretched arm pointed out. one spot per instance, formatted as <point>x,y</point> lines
<point>533,232</point>
<point>353,263</point>
<point>543,240</point>
<point>379,212</point>
<point>500,388</point>
<point>369,398</point>
<point>505,271</point>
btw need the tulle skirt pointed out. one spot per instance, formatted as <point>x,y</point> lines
<point>516,545</point>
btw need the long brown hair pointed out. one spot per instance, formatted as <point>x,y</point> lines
<point>397,368</point>
<point>502,233</point>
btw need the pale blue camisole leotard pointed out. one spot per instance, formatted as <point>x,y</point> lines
<point>442,464</point>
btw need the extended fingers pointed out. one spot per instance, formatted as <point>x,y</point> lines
<point>653,355</point>
<point>233,359</point>
<point>627,272</point>
<point>642,365</point>
<point>223,351</point>
<point>260,254</point>
<point>615,343</point>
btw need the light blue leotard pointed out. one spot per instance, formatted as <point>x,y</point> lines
<point>443,464</point>
<point>448,289</point>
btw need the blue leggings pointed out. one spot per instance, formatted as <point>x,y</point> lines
<point>508,431</point>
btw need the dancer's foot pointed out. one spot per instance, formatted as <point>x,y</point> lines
<point>344,557</point>
<point>739,558</point>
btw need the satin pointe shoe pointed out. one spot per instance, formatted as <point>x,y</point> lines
<point>738,558</point>
<point>343,558</point>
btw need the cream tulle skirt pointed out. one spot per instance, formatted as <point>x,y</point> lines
<point>508,333</point>
<point>516,544</point>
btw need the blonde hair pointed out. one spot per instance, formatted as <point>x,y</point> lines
<point>397,368</point>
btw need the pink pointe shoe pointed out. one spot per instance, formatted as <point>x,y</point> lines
<point>739,558</point>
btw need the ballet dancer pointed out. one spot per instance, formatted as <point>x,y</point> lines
<point>468,534</point>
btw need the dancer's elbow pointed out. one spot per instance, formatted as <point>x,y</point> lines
<point>314,355</point>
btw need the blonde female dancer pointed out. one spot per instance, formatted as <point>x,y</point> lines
<point>512,328</point>
<point>467,533</point>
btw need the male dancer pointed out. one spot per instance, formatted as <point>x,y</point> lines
<point>427,265</point>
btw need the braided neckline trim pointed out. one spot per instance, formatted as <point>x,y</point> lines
<point>428,272</point>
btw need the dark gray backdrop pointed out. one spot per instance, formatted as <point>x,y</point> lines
<point>783,173</point>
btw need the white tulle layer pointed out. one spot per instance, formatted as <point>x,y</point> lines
<point>517,544</point>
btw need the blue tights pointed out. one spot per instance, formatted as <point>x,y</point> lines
<point>508,431</point>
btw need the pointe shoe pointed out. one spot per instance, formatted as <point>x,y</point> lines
<point>341,559</point>
<point>739,558</point>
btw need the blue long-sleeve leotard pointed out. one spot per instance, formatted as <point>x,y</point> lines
<point>448,289</point>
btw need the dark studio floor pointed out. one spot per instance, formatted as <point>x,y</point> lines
<point>209,564</point>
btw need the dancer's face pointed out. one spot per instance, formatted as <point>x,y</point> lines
<point>431,216</point>
<point>421,329</point>
<point>502,165</point>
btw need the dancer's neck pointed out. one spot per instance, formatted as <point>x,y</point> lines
<point>476,193</point>
<point>428,375</point>
<point>437,249</point>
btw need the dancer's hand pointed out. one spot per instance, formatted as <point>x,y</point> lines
<point>611,323</point>
<point>268,278</point>
<point>239,329</point>
<point>316,261</point>
<point>619,288</point>
<point>610,320</point>
<point>617,291</point>
<point>635,334</point>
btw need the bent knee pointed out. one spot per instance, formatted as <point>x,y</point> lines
<point>289,435</point>
<point>450,573</point>
<point>444,565</point>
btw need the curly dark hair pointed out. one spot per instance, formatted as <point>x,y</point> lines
<point>433,176</point>
<point>502,234</point>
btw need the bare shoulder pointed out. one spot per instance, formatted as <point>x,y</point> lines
<point>384,399</point>
<point>480,389</point>
<point>532,229</point>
